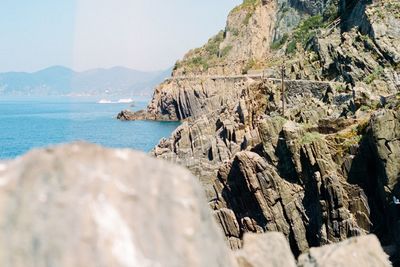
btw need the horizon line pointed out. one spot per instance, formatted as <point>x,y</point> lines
<point>87,70</point>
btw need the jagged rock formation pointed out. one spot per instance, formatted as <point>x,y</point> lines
<point>295,165</point>
<point>326,169</point>
<point>184,97</point>
<point>178,99</point>
<point>359,47</point>
<point>83,205</point>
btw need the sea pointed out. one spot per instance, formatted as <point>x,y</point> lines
<point>27,123</point>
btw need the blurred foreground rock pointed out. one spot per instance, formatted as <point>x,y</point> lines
<point>82,205</point>
<point>272,250</point>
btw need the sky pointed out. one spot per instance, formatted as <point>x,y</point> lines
<point>85,34</point>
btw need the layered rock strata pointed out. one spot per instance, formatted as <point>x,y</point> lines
<point>269,173</point>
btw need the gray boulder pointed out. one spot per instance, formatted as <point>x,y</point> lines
<point>364,251</point>
<point>265,250</point>
<point>83,205</point>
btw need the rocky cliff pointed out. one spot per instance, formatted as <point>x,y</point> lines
<point>315,160</point>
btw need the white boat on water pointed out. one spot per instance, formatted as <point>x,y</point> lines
<point>104,101</point>
<point>125,100</point>
<point>121,101</point>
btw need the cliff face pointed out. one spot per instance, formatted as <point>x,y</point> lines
<point>315,176</point>
<point>323,168</point>
<point>351,42</point>
<point>247,37</point>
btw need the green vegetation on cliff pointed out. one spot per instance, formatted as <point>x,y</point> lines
<point>306,30</point>
<point>374,75</point>
<point>310,137</point>
<point>201,58</point>
<point>279,43</point>
<point>302,34</point>
<point>247,4</point>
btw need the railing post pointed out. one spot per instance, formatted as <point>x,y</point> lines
<point>283,88</point>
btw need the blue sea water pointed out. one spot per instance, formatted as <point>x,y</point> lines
<point>37,122</point>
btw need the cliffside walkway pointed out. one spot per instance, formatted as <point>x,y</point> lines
<point>257,76</point>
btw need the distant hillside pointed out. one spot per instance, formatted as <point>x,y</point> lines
<point>59,80</point>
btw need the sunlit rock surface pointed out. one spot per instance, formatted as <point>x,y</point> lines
<point>265,250</point>
<point>362,251</point>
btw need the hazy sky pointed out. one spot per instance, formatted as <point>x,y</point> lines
<point>84,34</point>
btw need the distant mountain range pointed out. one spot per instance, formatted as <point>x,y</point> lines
<point>58,80</point>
